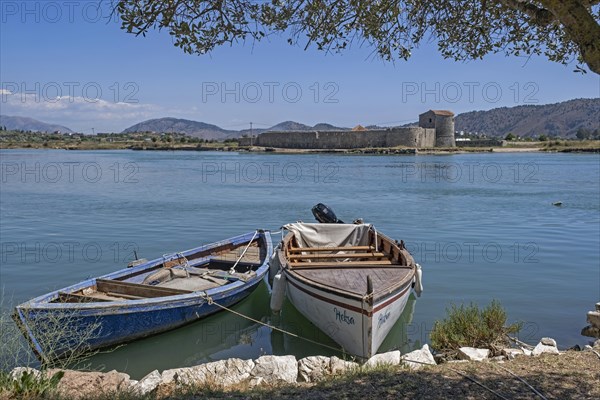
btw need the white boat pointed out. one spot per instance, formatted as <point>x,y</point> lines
<point>349,280</point>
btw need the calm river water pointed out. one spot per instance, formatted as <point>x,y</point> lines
<point>482,226</point>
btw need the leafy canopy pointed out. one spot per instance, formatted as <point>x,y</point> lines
<point>562,30</point>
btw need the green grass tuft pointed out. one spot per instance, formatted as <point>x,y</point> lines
<point>470,326</point>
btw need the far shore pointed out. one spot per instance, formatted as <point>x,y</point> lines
<point>574,146</point>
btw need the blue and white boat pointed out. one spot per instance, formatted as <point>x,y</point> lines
<point>146,299</point>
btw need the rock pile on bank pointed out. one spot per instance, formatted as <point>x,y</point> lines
<point>267,371</point>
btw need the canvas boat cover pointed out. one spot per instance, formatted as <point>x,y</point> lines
<point>329,235</point>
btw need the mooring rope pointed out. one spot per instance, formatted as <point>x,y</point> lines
<point>522,380</point>
<point>211,302</point>
<point>232,270</point>
<point>479,383</point>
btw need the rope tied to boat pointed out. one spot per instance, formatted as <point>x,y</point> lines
<point>232,270</point>
<point>211,301</point>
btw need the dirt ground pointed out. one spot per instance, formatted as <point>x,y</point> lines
<point>572,375</point>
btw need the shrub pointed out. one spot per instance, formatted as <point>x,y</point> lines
<point>32,385</point>
<point>473,327</point>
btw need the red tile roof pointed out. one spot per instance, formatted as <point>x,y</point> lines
<point>446,113</point>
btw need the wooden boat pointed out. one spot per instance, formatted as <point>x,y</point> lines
<point>351,281</point>
<point>145,299</point>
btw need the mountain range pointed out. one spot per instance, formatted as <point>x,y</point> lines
<point>208,131</point>
<point>559,119</point>
<point>30,124</point>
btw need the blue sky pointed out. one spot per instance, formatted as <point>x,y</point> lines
<point>109,80</point>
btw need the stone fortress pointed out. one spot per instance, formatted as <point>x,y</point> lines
<point>436,129</point>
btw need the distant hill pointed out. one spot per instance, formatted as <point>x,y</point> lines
<point>29,124</point>
<point>559,119</point>
<point>176,125</point>
<point>208,131</point>
<point>289,126</point>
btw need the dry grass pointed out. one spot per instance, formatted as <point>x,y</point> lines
<point>572,375</point>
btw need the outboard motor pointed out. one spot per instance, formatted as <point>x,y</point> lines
<point>325,215</point>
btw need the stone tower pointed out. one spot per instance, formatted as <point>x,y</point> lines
<point>443,123</point>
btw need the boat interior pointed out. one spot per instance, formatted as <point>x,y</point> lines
<point>380,251</point>
<point>347,268</point>
<point>176,274</point>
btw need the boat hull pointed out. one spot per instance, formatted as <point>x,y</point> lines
<point>349,280</point>
<point>356,326</point>
<point>82,327</point>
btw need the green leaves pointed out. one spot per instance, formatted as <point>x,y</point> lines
<point>463,29</point>
<point>34,383</point>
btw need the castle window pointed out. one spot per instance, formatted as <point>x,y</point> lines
<point>430,120</point>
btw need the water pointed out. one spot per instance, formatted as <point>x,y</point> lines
<point>482,226</point>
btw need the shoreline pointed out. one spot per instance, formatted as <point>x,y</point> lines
<point>594,148</point>
<point>558,374</point>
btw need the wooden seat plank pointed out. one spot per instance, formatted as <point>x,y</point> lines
<point>338,255</point>
<point>136,289</point>
<point>350,267</point>
<point>78,298</point>
<point>317,249</point>
<point>343,264</point>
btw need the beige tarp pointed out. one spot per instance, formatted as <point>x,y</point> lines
<point>329,235</point>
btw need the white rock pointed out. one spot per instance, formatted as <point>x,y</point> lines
<point>18,372</point>
<point>542,348</point>
<point>597,343</point>
<point>588,347</point>
<point>256,381</point>
<point>527,352</point>
<point>313,369</point>
<point>339,366</point>
<point>499,359</point>
<point>149,383</point>
<point>219,373</point>
<point>511,353</point>
<point>473,354</point>
<point>546,341</point>
<point>422,357</point>
<point>389,358</point>
<point>276,369</point>
<point>171,375</point>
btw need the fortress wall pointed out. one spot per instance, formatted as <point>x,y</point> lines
<point>391,137</point>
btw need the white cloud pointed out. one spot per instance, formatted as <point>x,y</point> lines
<point>79,113</point>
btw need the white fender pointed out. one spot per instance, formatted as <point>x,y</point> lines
<point>419,281</point>
<point>274,265</point>
<point>278,293</point>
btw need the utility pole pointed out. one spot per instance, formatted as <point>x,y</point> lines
<point>251,134</point>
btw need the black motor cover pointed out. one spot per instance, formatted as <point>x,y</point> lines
<point>325,215</point>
